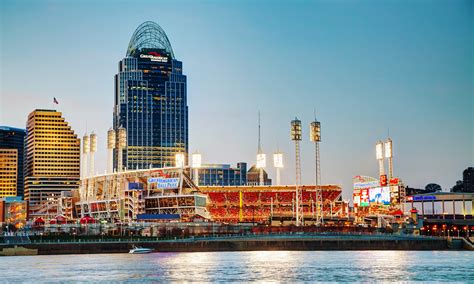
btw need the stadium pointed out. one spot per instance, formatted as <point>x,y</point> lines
<point>169,194</point>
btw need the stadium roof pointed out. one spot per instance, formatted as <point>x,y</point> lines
<point>149,35</point>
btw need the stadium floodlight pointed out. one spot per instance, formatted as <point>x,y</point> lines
<point>388,148</point>
<point>295,135</point>
<point>379,150</point>
<point>196,157</point>
<point>278,160</point>
<point>261,161</point>
<point>179,159</point>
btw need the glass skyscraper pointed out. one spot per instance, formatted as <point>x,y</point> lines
<point>151,101</point>
<point>13,138</point>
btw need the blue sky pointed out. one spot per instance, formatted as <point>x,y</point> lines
<point>367,67</point>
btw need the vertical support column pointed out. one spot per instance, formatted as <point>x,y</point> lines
<point>241,203</point>
<point>299,194</point>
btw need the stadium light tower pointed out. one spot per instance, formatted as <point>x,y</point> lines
<point>179,160</point>
<point>296,136</point>
<point>196,163</point>
<point>93,149</point>
<point>315,136</point>
<point>278,164</point>
<point>389,156</point>
<point>85,153</point>
<point>122,143</point>
<point>261,157</point>
<point>379,155</point>
<point>110,149</point>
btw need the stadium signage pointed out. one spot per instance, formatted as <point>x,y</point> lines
<point>366,184</point>
<point>153,56</point>
<point>423,198</point>
<point>165,183</point>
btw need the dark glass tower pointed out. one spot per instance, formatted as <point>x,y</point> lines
<point>150,101</point>
<point>13,138</point>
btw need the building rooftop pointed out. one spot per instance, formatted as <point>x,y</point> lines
<point>149,35</point>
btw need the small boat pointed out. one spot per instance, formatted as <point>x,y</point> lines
<point>139,250</point>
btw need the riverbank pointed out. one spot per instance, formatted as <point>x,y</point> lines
<point>288,242</point>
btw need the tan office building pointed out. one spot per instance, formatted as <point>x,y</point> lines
<point>8,172</point>
<point>52,161</point>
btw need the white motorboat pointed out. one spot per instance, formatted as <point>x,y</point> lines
<point>139,250</point>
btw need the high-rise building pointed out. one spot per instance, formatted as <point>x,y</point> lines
<point>151,101</point>
<point>13,138</point>
<point>8,172</point>
<point>52,160</point>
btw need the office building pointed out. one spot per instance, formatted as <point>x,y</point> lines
<point>222,175</point>
<point>150,101</point>
<point>8,172</point>
<point>52,160</point>
<point>13,138</point>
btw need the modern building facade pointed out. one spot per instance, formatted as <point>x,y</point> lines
<point>8,172</point>
<point>13,138</point>
<point>151,101</point>
<point>52,160</point>
<point>222,175</point>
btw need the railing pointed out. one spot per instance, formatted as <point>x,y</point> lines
<point>237,237</point>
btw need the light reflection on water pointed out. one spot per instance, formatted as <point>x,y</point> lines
<point>264,266</point>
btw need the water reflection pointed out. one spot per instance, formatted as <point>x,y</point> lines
<point>263,266</point>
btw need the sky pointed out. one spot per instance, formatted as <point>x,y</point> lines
<point>368,69</point>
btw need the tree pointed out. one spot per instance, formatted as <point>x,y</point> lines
<point>459,187</point>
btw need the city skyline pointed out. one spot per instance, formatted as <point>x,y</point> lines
<point>418,57</point>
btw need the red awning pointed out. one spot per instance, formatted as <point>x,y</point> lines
<point>39,221</point>
<point>87,220</point>
<point>60,219</point>
<point>397,213</point>
<point>53,221</point>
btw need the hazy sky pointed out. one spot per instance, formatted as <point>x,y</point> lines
<point>367,67</point>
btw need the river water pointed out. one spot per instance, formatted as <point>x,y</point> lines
<point>259,266</point>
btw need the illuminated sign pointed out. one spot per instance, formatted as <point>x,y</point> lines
<point>365,182</point>
<point>394,181</point>
<point>383,180</point>
<point>357,200</point>
<point>424,197</point>
<point>379,195</point>
<point>165,183</point>
<point>154,56</point>
<point>364,197</point>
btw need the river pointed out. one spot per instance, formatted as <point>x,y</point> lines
<point>259,266</point>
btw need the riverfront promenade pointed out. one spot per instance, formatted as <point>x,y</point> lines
<point>250,242</point>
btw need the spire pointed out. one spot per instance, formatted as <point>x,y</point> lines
<point>259,140</point>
